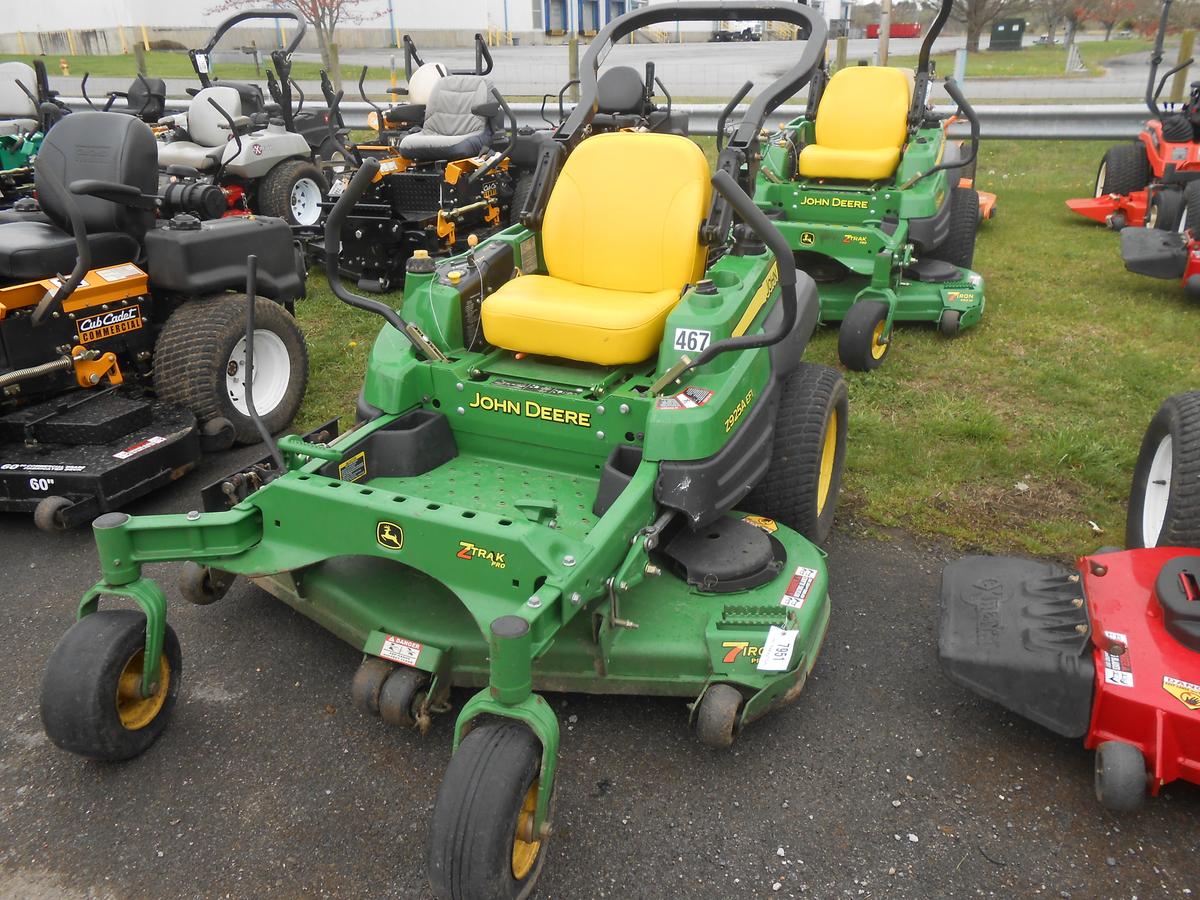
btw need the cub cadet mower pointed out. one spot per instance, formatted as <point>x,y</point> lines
<point>28,107</point>
<point>1137,183</point>
<point>114,378</point>
<point>441,186</point>
<point>866,188</point>
<point>1175,254</point>
<point>541,493</point>
<point>261,156</point>
<point>1110,651</point>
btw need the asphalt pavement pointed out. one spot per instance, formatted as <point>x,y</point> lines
<point>882,780</point>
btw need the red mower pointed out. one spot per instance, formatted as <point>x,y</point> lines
<point>1141,183</point>
<point>1108,651</point>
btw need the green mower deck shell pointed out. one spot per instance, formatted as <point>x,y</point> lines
<point>845,223</point>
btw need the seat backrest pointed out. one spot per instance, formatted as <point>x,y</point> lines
<point>864,108</point>
<point>204,123</point>
<point>148,98</point>
<point>106,147</point>
<point>448,112</point>
<point>625,213</point>
<point>620,90</point>
<point>14,102</point>
<point>420,86</point>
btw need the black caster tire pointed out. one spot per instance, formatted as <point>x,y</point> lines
<point>1164,500</point>
<point>1123,170</point>
<point>1120,776</point>
<point>401,696</point>
<point>802,482</point>
<point>91,703</point>
<point>202,585</point>
<point>1166,210</point>
<point>217,435</point>
<point>861,341</point>
<point>368,683</point>
<point>717,716</point>
<point>48,514</point>
<point>200,356</point>
<point>484,806</point>
<point>950,323</point>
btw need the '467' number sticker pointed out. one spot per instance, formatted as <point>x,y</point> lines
<point>692,340</point>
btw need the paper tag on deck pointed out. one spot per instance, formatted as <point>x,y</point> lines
<point>776,653</point>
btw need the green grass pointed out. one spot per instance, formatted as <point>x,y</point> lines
<point>1031,61</point>
<point>1052,391</point>
<point>175,64</point>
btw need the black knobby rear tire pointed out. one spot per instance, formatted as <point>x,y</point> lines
<point>1177,420</point>
<point>83,710</point>
<point>194,356</point>
<point>1123,170</point>
<point>861,343</point>
<point>1120,776</point>
<point>958,248</point>
<point>1191,206</point>
<point>800,488</point>
<point>1166,209</point>
<point>476,815</point>
<point>275,195</point>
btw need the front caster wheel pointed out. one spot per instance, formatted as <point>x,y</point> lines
<point>92,702</point>
<point>48,514</point>
<point>368,683</point>
<point>203,585</point>
<point>1120,776</point>
<point>950,325</point>
<point>862,344</point>
<point>401,696</point>
<point>716,719</point>
<point>481,845</point>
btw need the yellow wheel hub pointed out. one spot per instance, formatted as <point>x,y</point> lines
<point>878,344</point>
<point>135,710</point>
<point>828,456</point>
<point>525,853</point>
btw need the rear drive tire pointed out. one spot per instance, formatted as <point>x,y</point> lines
<point>1191,206</point>
<point>861,341</point>
<point>1164,501</point>
<point>293,191</point>
<point>800,488</point>
<point>1123,170</point>
<point>1120,776</point>
<point>959,247</point>
<point>91,701</point>
<point>199,363</point>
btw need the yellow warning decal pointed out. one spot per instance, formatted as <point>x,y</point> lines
<point>1184,691</point>
<point>768,525</point>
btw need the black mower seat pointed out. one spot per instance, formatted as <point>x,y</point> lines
<point>33,250</point>
<point>451,130</point>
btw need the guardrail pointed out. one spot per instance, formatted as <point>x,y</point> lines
<point>1108,121</point>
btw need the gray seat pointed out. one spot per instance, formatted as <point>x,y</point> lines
<point>18,112</point>
<point>208,139</point>
<point>451,131</point>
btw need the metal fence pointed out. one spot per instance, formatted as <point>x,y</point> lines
<point>1046,122</point>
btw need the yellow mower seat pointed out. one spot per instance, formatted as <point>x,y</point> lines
<point>621,241</point>
<point>862,122</point>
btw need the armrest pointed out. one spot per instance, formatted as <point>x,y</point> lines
<point>398,91</point>
<point>124,194</point>
<point>241,123</point>
<point>178,171</point>
<point>486,110</point>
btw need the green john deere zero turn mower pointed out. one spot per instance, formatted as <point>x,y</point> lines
<point>878,204</point>
<point>542,492</point>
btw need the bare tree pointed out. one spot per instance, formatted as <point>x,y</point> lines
<point>1053,12</point>
<point>323,15</point>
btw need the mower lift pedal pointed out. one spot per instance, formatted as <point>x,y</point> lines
<point>1015,631</point>
<point>1149,251</point>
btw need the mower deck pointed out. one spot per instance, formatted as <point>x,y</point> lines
<point>914,300</point>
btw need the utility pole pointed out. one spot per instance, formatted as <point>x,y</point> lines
<point>392,24</point>
<point>885,30</point>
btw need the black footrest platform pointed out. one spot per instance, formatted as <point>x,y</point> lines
<point>1015,631</point>
<point>1148,251</point>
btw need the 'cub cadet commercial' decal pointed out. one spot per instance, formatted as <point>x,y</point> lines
<point>390,535</point>
<point>467,550</point>
<point>739,410</point>
<point>1184,691</point>
<point>531,409</point>
<point>109,324</point>
<point>842,202</point>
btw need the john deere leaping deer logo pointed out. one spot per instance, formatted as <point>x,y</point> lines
<point>389,535</point>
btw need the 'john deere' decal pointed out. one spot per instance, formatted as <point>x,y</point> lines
<point>389,535</point>
<point>531,409</point>
<point>109,324</point>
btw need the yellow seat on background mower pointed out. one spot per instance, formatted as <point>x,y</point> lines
<point>862,122</point>
<point>621,239</point>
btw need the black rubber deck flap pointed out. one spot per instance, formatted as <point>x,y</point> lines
<point>728,555</point>
<point>1178,591</point>
<point>78,417</point>
<point>1148,251</point>
<point>1010,633</point>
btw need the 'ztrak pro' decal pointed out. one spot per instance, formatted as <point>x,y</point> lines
<point>109,324</point>
<point>531,409</point>
<point>467,550</point>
